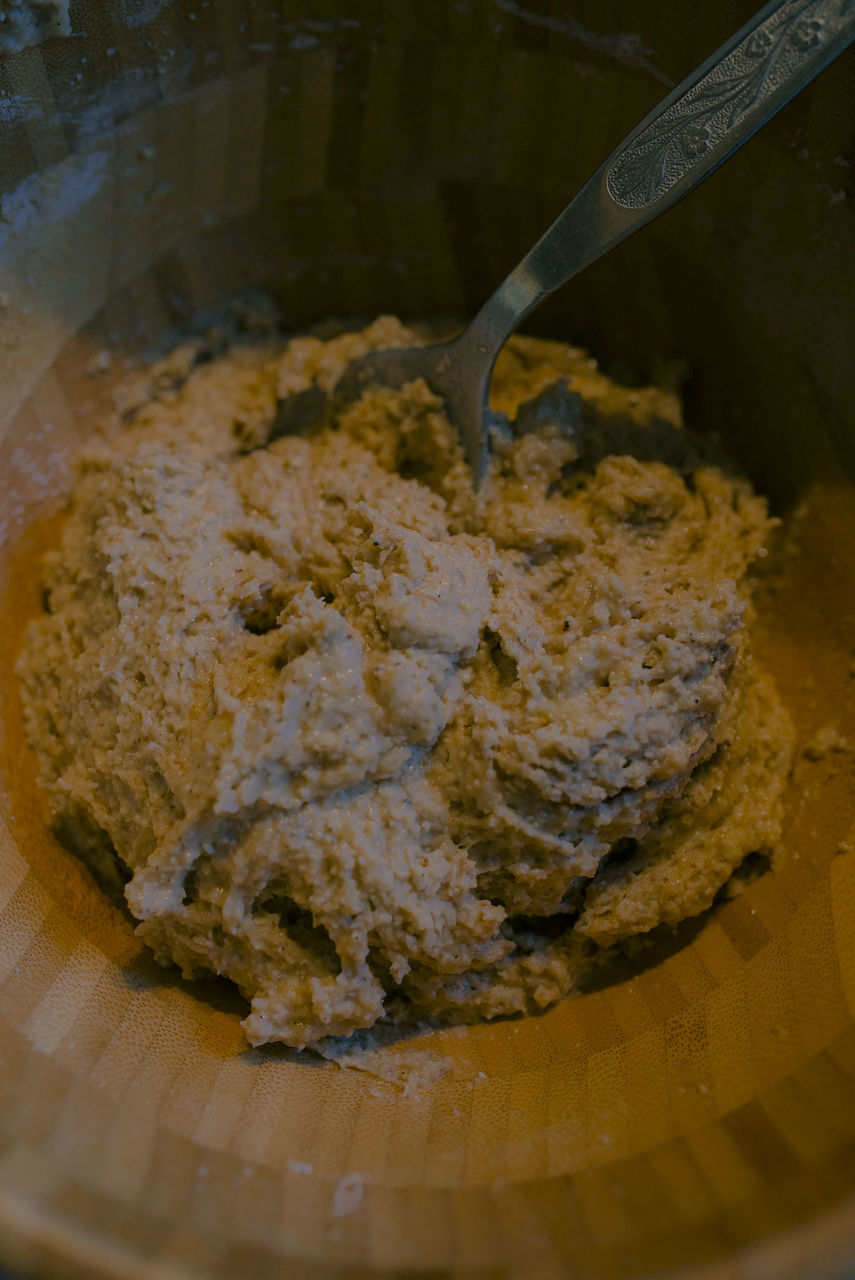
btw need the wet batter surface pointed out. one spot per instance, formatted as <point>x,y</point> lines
<point>375,746</point>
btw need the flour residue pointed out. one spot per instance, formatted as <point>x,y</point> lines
<point>25,23</point>
<point>16,108</point>
<point>43,199</point>
<point>348,1195</point>
<point>139,13</point>
<point>626,47</point>
<point>96,113</point>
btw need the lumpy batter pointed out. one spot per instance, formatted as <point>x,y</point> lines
<point>373,745</point>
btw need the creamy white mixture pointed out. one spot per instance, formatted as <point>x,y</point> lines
<point>372,745</point>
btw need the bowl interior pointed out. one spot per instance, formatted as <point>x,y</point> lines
<point>696,1113</point>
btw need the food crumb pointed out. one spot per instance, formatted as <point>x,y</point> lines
<point>825,741</point>
<point>25,23</point>
<point>348,1195</point>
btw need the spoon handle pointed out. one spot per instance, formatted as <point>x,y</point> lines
<point>688,135</point>
<point>727,99</point>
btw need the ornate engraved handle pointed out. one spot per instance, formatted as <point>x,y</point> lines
<point>728,98</point>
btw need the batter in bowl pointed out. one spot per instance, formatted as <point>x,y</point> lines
<point>375,746</point>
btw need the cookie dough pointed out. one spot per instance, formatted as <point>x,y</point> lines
<point>374,745</point>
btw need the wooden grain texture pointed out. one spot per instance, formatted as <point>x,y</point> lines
<point>694,1118</point>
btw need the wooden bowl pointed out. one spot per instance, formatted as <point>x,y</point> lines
<point>695,1118</point>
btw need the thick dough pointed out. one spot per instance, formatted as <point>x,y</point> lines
<point>372,745</point>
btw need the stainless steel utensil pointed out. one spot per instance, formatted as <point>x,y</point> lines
<point>689,134</point>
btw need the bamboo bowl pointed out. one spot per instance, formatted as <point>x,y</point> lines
<point>696,1118</point>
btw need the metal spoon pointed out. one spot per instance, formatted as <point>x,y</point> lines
<point>688,135</point>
